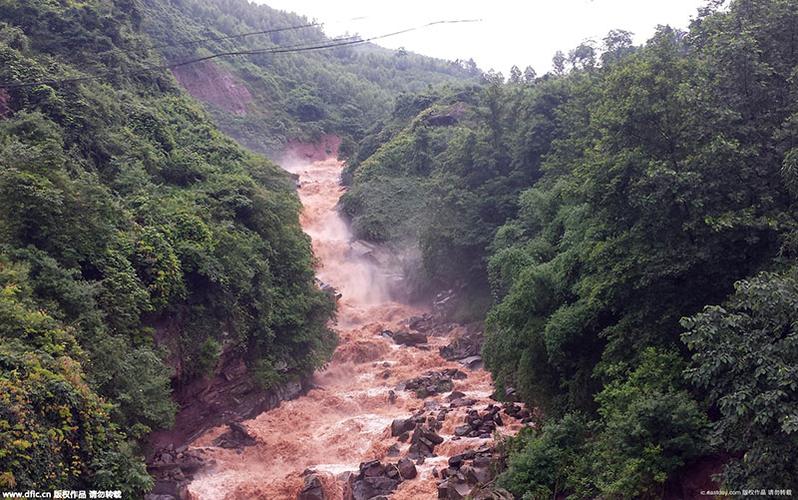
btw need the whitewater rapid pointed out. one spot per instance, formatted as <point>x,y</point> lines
<point>346,419</point>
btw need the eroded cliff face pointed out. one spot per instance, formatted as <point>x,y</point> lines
<point>212,84</point>
<point>230,394</point>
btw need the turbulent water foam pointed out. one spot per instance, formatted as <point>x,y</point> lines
<point>346,419</point>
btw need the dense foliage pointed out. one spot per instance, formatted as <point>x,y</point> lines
<point>137,245</point>
<point>745,357</point>
<point>438,173</point>
<point>599,205</point>
<point>629,220</point>
<point>294,95</point>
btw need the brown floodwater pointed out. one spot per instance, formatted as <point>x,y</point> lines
<point>346,419</point>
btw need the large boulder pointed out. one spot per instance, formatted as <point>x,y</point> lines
<point>312,489</point>
<point>465,345</point>
<point>471,475</point>
<point>476,475</point>
<point>373,480</point>
<point>237,436</point>
<point>423,442</point>
<point>172,470</point>
<point>433,382</point>
<point>455,395</point>
<point>462,402</point>
<point>402,425</point>
<point>407,469</point>
<point>457,461</point>
<point>370,487</point>
<point>472,362</point>
<point>409,338</point>
<point>452,489</point>
<point>422,323</point>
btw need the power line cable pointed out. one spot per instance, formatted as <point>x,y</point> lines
<point>272,50</point>
<point>78,79</point>
<point>230,37</point>
<point>214,39</point>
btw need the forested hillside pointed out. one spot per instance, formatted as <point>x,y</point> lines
<point>265,100</point>
<point>626,227</point>
<point>445,171</point>
<point>122,210</point>
<point>631,217</point>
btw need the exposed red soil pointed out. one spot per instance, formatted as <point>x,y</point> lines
<point>209,83</point>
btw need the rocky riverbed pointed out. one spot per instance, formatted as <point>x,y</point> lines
<point>404,410</point>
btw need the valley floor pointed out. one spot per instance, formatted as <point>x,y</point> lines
<point>346,419</point>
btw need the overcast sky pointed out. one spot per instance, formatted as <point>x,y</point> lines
<point>511,32</point>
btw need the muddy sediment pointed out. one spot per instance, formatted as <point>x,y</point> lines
<point>346,419</point>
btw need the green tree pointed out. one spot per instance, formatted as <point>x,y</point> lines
<point>515,75</point>
<point>530,74</point>
<point>558,63</point>
<point>745,359</point>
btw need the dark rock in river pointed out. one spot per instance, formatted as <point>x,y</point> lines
<point>409,338</point>
<point>455,395</point>
<point>470,475</point>
<point>422,323</point>
<point>407,469</point>
<point>433,382</point>
<point>312,489</point>
<point>466,345</point>
<point>472,362</point>
<point>423,442</point>
<point>377,480</point>
<point>172,469</point>
<point>237,436</point>
<point>402,425</point>
<point>462,402</point>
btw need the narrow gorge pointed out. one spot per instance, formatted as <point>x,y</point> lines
<point>249,253</point>
<point>352,414</point>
